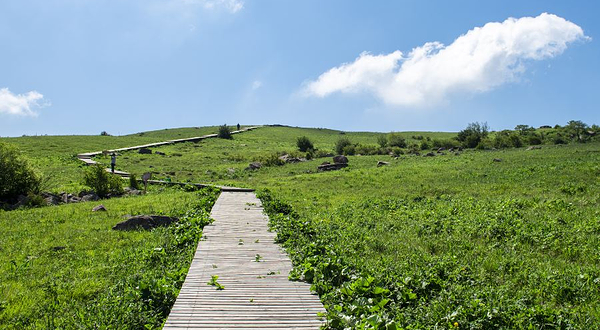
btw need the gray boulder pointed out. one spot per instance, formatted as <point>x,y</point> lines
<point>145,151</point>
<point>340,159</point>
<point>254,166</point>
<point>145,222</point>
<point>382,163</point>
<point>99,208</point>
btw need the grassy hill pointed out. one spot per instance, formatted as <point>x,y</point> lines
<point>450,241</point>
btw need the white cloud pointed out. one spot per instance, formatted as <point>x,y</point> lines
<point>256,84</point>
<point>231,5</point>
<point>478,61</point>
<point>20,104</point>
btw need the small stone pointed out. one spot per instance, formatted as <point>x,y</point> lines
<point>497,160</point>
<point>145,151</point>
<point>99,208</point>
<point>382,163</point>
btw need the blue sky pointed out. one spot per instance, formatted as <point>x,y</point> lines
<point>124,66</point>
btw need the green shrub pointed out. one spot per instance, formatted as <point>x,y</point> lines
<point>224,132</point>
<point>349,150</point>
<point>425,145</point>
<point>133,182</point>
<point>396,140</point>
<point>471,136</point>
<point>444,143</point>
<point>304,144</point>
<point>382,141</point>
<point>271,160</point>
<point>16,176</point>
<point>102,182</point>
<point>396,151</point>
<point>367,149</point>
<point>321,154</point>
<point>341,144</point>
<point>534,139</point>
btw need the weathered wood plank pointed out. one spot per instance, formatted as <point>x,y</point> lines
<point>239,249</point>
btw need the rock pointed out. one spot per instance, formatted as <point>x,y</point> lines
<point>51,199</point>
<point>231,170</point>
<point>89,197</point>
<point>58,248</point>
<point>99,208</point>
<point>382,163</point>
<point>254,166</point>
<point>132,192</point>
<point>441,149</point>
<point>332,167</point>
<point>325,163</point>
<point>145,151</point>
<point>145,222</point>
<point>340,159</point>
<point>429,154</point>
<point>289,159</point>
<point>74,199</point>
<point>160,153</point>
<point>451,149</point>
<point>533,147</point>
<point>497,160</point>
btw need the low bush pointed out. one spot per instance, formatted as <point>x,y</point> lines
<point>304,144</point>
<point>16,176</point>
<point>444,143</point>
<point>341,144</point>
<point>396,140</point>
<point>224,132</point>
<point>271,159</point>
<point>382,141</point>
<point>133,182</point>
<point>102,182</point>
<point>471,136</point>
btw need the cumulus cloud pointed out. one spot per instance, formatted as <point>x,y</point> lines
<point>21,104</point>
<point>478,61</point>
<point>232,5</point>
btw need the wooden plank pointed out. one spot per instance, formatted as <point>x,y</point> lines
<point>257,293</point>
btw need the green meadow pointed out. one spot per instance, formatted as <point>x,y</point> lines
<point>479,239</point>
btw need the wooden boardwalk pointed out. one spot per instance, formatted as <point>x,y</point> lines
<point>257,294</point>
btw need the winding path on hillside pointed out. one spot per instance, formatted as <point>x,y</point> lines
<point>239,249</point>
<point>87,159</point>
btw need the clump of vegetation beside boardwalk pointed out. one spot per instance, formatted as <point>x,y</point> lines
<point>64,268</point>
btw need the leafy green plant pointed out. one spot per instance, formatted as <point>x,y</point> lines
<point>304,144</point>
<point>102,182</point>
<point>342,144</point>
<point>224,132</point>
<point>396,140</point>
<point>471,136</point>
<point>16,175</point>
<point>213,282</point>
<point>133,182</point>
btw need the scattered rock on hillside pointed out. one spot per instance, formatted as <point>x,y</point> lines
<point>497,160</point>
<point>325,163</point>
<point>131,191</point>
<point>289,159</point>
<point>441,149</point>
<point>382,163</point>
<point>145,151</point>
<point>100,208</point>
<point>253,166</point>
<point>145,222</point>
<point>340,159</point>
<point>160,153</point>
<point>89,197</point>
<point>51,199</point>
<point>332,167</point>
<point>429,154</point>
<point>533,147</point>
